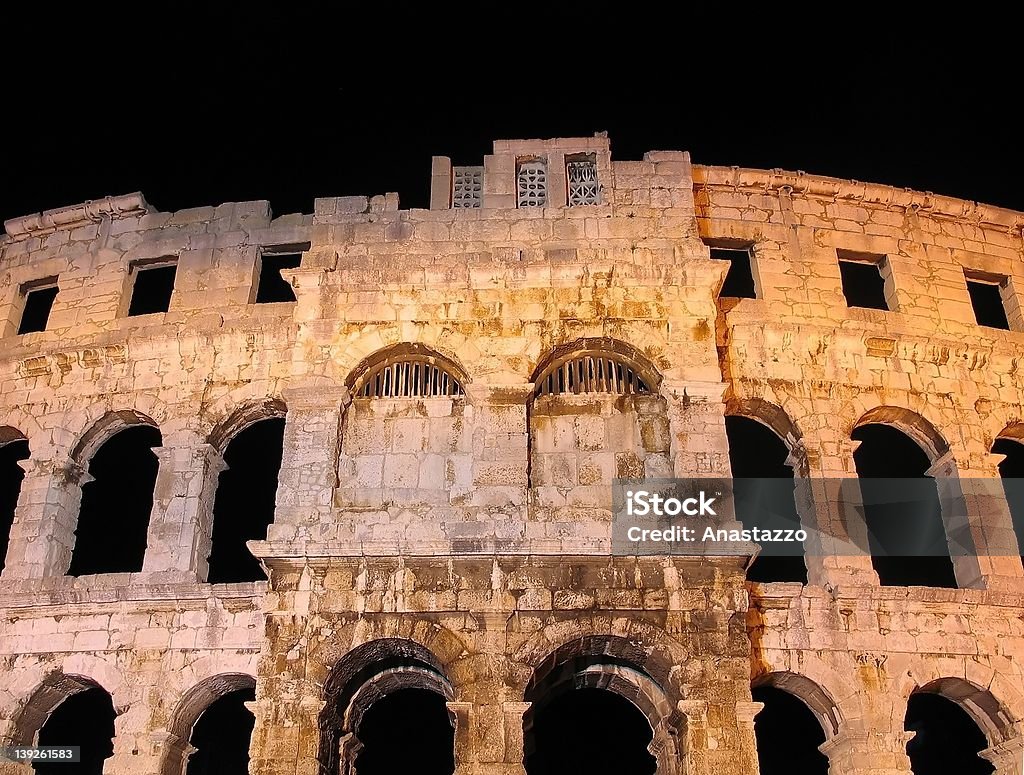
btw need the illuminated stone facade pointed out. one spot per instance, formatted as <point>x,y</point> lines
<point>460,536</point>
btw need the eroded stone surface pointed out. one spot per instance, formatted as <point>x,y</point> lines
<point>476,525</point>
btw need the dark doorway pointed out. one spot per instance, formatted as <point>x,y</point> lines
<point>244,504</point>
<point>788,735</point>
<point>11,475</point>
<point>407,731</point>
<point>221,736</point>
<point>113,520</point>
<point>1012,472</point>
<point>902,510</point>
<point>947,739</point>
<point>763,491</point>
<point>85,719</point>
<point>589,732</point>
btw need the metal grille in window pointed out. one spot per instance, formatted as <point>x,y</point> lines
<point>592,374</point>
<point>532,184</point>
<point>583,187</point>
<point>468,186</point>
<point>410,378</point>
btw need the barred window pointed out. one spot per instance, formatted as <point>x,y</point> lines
<point>592,374</point>
<point>467,187</point>
<point>410,377</point>
<point>581,179</point>
<point>531,183</point>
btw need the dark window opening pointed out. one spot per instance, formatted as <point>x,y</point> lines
<point>407,731</point>
<point>152,289</point>
<point>947,740</point>
<point>885,456</point>
<point>113,520</point>
<point>763,492</point>
<point>788,735</point>
<point>244,504</point>
<point>38,303</point>
<point>987,300</point>
<point>11,475</point>
<point>221,736</point>
<point>85,719</point>
<point>739,280</point>
<point>863,284</point>
<point>271,286</point>
<point>562,736</point>
<point>1011,470</point>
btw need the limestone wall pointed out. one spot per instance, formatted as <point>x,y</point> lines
<point>476,525</point>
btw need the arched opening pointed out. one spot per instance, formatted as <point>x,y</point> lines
<point>244,504</point>
<point>564,731</point>
<point>407,731</point>
<point>764,497</point>
<point>946,738</point>
<point>386,712</point>
<point>113,520</point>
<point>595,416</point>
<point>12,451</point>
<point>906,533</point>
<point>84,719</point>
<point>1011,470</point>
<point>788,735</point>
<point>598,688</point>
<point>221,736</point>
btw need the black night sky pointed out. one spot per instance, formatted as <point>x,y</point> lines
<point>235,102</point>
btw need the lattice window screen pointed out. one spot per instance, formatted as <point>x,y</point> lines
<point>591,374</point>
<point>468,187</point>
<point>582,180</point>
<point>409,378</point>
<point>532,184</point>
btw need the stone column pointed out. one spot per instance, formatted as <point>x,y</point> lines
<point>309,467</point>
<point>43,533</point>
<point>181,522</point>
<point>854,750</point>
<point>827,500</point>
<point>978,524</point>
<point>696,418</point>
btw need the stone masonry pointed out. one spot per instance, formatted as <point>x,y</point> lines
<point>468,533</point>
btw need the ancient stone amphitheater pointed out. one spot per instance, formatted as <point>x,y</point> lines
<point>325,490</point>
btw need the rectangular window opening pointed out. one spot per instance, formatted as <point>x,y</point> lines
<point>39,296</point>
<point>582,187</point>
<point>271,287</point>
<point>739,280</point>
<point>864,278</point>
<point>986,292</point>
<point>531,182</point>
<point>152,286</point>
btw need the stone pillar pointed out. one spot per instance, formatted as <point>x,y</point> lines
<point>440,183</point>
<point>854,750</point>
<point>696,418</point>
<point>309,467</point>
<point>720,742</point>
<point>43,533</point>
<point>181,522</point>
<point>286,735</point>
<point>978,524</point>
<point>827,500</point>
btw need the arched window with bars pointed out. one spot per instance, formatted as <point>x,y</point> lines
<point>405,440</point>
<point>412,376</point>
<point>595,416</point>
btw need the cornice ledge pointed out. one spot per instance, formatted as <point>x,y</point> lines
<point>92,211</point>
